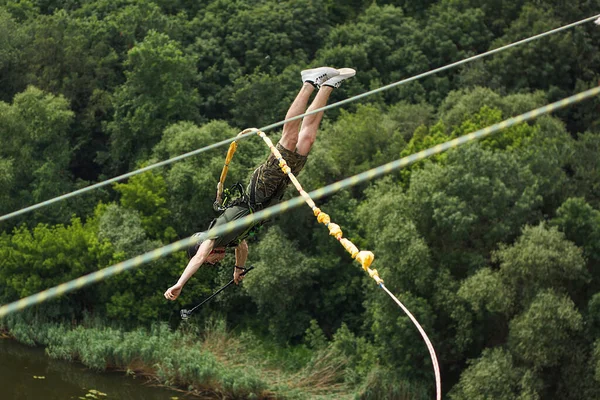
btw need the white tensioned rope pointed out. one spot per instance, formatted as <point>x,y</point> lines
<point>277,124</point>
<point>434,360</point>
<point>287,205</point>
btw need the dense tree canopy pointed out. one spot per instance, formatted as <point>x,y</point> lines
<point>494,247</point>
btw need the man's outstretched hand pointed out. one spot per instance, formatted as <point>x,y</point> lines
<point>237,275</point>
<point>173,292</point>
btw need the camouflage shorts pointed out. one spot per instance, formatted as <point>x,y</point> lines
<point>268,181</point>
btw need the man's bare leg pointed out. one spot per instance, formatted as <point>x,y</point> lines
<point>311,78</point>
<point>289,139</point>
<point>310,123</point>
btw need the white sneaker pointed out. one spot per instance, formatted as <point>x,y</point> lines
<point>344,73</point>
<point>317,76</point>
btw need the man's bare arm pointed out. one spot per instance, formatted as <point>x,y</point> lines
<point>195,262</point>
<point>241,256</point>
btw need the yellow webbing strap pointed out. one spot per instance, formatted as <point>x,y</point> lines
<point>365,258</point>
<point>228,158</point>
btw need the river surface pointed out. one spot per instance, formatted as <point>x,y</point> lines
<point>28,374</point>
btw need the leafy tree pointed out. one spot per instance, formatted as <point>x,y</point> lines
<point>36,151</point>
<point>399,344</point>
<point>380,44</point>
<point>267,37</point>
<point>158,91</point>
<point>581,225</point>
<point>280,286</point>
<point>535,66</point>
<point>131,21</point>
<point>12,40</point>
<point>449,34</point>
<point>411,268</point>
<point>122,228</point>
<point>541,336</point>
<point>147,193</point>
<point>37,259</point>
<point>360,140</point>
<point>485,290</point>
<point>584,161</point>
<point>409,117</point>
<point>73,57</point>
<point>261,99</point>
<point>423,138</point>
<point>541,259</point>
<point>497,14</point>
<point>463,209</point>
<point>495,375</point>
<point>547,153</point>
<point>597,360</point>
<point>461,104</point>
<point>135,297</point>
<point>452,33</point>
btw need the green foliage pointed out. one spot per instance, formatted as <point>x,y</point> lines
<point>36,150</point>
<point>585,163</point>
<point>122,228</point>
<point>508,139</point>
<point>398,347</point>
<point>461,104</point>
<point>12,39</point>
<point>380,44</point>
<point>147,194</point>
<point>158,91</point>
<point>384,384</point>
<point>424,138</point>
<point>360,355</point>
<point>597,361</point>
<point>494,376</point>
<point>314,336</point>
<point>135,297</point>
<point>534,62</point>
<point>281,277</point>
<point>476,200</point>
<point>91,89</point>
<point>35,260</point>
<point>541,336</point>
<point>236,40</point>
<point>362,139</point>
<point>411,268</point>
<point>485,290</point>
<point>593,316</point>
<point>581,225</point>
<point>545,254</point>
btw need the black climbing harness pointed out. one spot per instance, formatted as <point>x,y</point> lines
<point>234,196</point>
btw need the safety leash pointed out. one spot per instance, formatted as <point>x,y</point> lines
<point>185,314</point>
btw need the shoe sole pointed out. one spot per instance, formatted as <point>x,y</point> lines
<point>346,72</point>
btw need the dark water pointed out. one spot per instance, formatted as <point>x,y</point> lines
<point>28,374</point>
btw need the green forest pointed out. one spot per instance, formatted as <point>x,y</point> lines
<point>493,246</point>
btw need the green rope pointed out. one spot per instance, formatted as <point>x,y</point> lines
<point>277,124</point>
<point>288,205</point>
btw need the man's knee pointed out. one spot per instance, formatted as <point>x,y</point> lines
<point>305,143</point>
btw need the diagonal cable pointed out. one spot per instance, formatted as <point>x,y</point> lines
<point>270,212</point>
<point>280,123</point>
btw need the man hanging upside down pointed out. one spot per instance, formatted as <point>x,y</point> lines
<point>268,182</point>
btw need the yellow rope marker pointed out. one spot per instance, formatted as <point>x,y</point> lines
<point>228,158</point>
<point>365,258</point>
